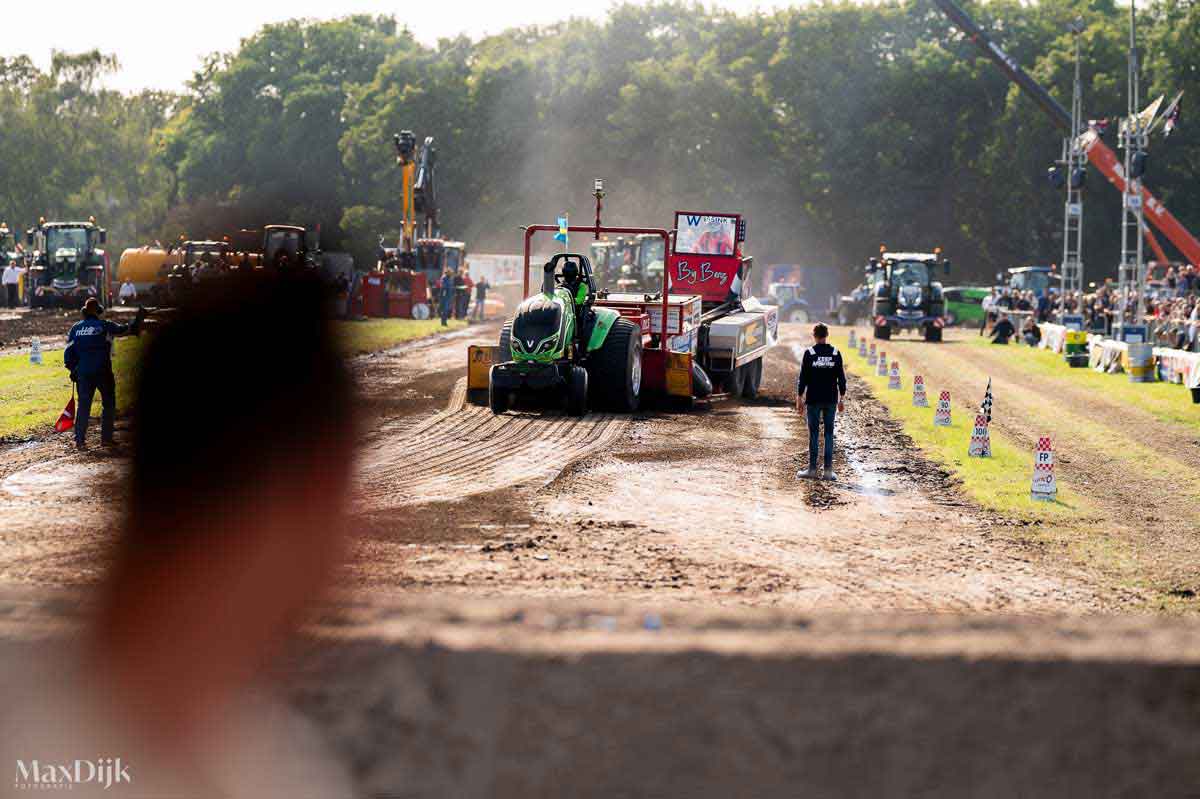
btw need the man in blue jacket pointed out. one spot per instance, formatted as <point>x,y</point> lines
<point>446,296</point>
<point>820,392</point>
<point>88,357</point>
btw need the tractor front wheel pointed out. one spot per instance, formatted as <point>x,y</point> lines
<point>616,368</point>
<point>497,398</point>
<point>577,391</point>
<point>505,354</point>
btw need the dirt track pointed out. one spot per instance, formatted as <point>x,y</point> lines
<point>661,506</point>
<point>655,606</point>
<point>686,507</point>
<point>1141,474</point>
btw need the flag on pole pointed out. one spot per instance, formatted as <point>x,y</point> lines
<point>985,407</point>
<point>1171,115</point>
<point>561,235</point>
<point>1144,120</point>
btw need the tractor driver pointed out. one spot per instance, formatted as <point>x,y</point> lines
<point>583,293</point>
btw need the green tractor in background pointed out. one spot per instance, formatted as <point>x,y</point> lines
<point>559,343</point>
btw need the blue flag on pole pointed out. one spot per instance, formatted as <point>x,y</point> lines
<point>561,235</point>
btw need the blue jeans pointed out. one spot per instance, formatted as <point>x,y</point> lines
<point>816,415</point>
<point>87,385</point>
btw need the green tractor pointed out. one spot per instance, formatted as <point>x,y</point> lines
<point>558,343</point>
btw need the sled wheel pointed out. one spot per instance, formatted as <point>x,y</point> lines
<point>753,379</point>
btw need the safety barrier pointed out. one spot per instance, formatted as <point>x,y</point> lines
<point>1178,366</point>
<point>1106,354</point>
<point>1054,337</point>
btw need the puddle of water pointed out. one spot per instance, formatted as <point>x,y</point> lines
<point>62,479</point>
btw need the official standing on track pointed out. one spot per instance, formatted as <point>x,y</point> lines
<point>88,357</point>
<point>481,288</point>
<point>446,296</point>
<point>821,389</point>
<point>12,282</point>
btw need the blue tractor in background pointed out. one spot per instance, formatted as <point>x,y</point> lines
<point>788,297</point>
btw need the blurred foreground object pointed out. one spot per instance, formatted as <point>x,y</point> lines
<point>235,524</point>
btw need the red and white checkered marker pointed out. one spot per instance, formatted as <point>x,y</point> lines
<point>941,416</point>
<point>862,348</point>
<point>853,340</point>
<point>919,398</point>
<point>882,364</point>
<point>872,358</point>
<point>1043,487</point>
<point>981,440</point>
<point>894,376</point>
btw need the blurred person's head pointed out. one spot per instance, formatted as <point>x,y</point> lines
<point>241,465</point>
<point>820,332</point>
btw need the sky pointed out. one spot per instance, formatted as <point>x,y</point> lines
<point>160,44</point>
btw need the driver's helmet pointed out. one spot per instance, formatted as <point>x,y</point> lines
<point>570,272</point>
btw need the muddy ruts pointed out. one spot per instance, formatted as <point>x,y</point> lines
<point>465,450</point>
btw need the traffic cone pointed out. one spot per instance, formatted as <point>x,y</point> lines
<point>894,376</point>
<point>981,441</point>
<point>862,348</point>
<point>66,419</point>
<point>941,417</point>
<point>872,358</point>
<point>882,364</point>
<point>919,398</point>
<point>35,352</point>
<point>1043,487</point>
<point>853,341</point>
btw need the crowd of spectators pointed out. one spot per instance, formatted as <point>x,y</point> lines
<point>1171,313</point>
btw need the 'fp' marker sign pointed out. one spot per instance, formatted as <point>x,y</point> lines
<point>1043,486</point>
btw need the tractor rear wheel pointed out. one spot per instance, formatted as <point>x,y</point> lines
<point>505,354</point>
<point>735,381</point>
<point>616,368</point>
<point>497,398</point>
<point>753,380</point>
<point>577,391</point>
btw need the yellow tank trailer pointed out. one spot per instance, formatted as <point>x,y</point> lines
<point>146,267</point>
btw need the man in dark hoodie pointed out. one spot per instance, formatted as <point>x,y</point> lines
<point>821,390</point>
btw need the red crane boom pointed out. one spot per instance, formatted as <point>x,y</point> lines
<point>1098,153</point>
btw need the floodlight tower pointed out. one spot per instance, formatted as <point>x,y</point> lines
<point>1131,274</point>
<point>1075,160</point>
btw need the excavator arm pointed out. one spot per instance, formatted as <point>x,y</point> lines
<point>1098,153</point>
<point>425,188</point>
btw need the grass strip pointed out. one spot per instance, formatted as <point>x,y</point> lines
<point>999,483</point>
<point>373,335</point>
<point>32,397</point>
<point>1166,401</point>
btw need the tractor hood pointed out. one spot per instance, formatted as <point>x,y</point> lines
<point>541,327</point>
<point>910,296</point>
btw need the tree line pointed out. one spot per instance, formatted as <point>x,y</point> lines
<point>834,127</point>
